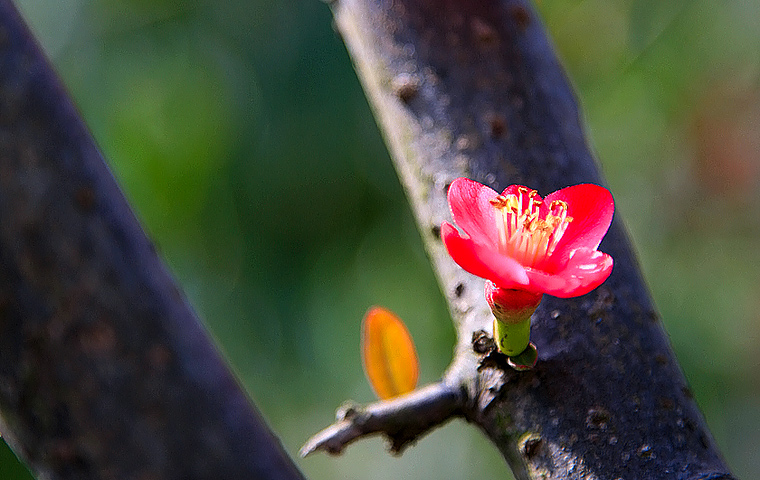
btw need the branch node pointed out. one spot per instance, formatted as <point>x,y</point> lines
<point>347,411</point>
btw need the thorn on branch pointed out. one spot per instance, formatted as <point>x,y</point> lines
<point>403,419</point>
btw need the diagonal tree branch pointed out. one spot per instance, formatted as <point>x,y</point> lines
<point>473,88</point>
<point>105,371</point>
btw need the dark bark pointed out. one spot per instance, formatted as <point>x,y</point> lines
<point>473,88</point>
<point>105,371</point>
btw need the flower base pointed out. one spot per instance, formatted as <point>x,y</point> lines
<point>525,360</point>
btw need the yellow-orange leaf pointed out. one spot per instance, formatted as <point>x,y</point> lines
<point>388,353</point>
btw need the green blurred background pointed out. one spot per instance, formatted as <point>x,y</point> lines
<point>241,136</point>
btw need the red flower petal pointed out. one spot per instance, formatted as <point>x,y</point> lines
<point>591,207</point>
<point>570,267</point>
<point>584,271</point>
<point>482,260</point>
<point>471,208</point>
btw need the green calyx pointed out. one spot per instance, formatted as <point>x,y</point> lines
<point>526,360</point>
<point>511,338</point>
<point>512,309</point>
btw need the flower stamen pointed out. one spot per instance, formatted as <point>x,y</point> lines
<point>525,232</point>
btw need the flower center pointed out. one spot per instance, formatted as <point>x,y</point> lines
<point>523,234</point>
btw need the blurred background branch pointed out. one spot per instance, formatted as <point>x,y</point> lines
<point>105,370</point>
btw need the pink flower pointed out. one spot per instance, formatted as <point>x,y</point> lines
<point>519,241</point>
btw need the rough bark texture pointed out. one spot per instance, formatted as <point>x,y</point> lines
<point>473,88</point>
<point>105,371</point>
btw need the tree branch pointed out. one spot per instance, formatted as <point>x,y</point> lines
<point>473,88</point>
<point>105,371</point>
<point>402,419</point>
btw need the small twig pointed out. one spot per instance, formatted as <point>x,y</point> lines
<point>402,419</point>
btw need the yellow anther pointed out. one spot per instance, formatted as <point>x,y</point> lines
<point>499,202</point>
<point>523,234</point>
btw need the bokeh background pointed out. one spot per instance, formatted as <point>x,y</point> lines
<point>241,136</point>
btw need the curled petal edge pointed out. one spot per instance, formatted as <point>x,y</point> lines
<point>585,270</point>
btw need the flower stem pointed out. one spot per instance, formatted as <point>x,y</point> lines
<point>511,338</point>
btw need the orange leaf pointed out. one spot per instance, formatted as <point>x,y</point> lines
<point>388,353</point>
